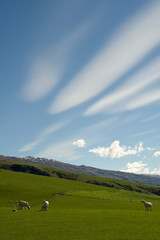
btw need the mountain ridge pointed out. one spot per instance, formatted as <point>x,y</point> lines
<point>137,178</point>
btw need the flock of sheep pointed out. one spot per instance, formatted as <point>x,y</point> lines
<point>25,205</point>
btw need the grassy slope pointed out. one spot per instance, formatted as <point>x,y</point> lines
<point>55,172</point>
<point>84,211</point>
<point>146,179</point>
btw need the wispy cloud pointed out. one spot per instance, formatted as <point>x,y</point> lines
<point>48,67</point>
<point>93,132</point>
<point>95,128</point>
<point>43,77</point>
<point>116,101</point>
<point>143,133</point>
<point>42,136</point>
<point>150,118</point>
<point>61,151</point>
<point>144,99</point>
<point>117,151</point>
<point>30,146</point>
<point>129,45</point>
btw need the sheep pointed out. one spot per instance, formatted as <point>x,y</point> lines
<point>23,204</point>
<point>45,205</point>
<point>147,205</point>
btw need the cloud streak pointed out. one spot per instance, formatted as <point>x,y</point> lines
<point>42,136</point>
<point>144,133</point>
<point>129,90</point>
<point>43,77</point>
<point>151,118</point>
<point>129,45</point>
<point>48,67</point>
<point>144,99</point>
<point>60,151</point>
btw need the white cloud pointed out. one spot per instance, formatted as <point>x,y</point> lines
<point>140,147</point>
<point>137,168</point>
<point>80,143</point>
<point>140,168</point>
<point>156,154</point>
<point>92,131</point>
<point>116,101</point>
<point>155,171</point>
<point>42,136</point>
<point>115,59</point>
<point>150,149</point>
<point>117,151</point>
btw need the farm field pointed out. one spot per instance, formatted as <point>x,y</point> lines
<point>77,210</point>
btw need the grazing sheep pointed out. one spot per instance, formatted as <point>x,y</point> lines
<point>147,205</point>
<point>45,205</point>
<point>23,204</point>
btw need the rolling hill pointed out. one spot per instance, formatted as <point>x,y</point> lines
<point>78,177</point>
<point>106,209</point>
<point>137,178</point>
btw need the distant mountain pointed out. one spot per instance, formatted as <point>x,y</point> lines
<point>137,178</point>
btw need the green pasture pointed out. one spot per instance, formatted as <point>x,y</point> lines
<point>77,210</point>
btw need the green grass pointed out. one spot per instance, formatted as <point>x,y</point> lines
<point>100,181</point>
<point>80,223</point>
<point>116,195</point>
<point>82,211</point>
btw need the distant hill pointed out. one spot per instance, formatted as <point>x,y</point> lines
<point>137,178</point>
<point>36,169</point>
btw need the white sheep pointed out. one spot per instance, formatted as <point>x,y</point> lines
<point>148,205</point>
<point>23,204</point>
<point>45,205</point>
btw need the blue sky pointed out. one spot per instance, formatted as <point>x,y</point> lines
<point>80,82</point>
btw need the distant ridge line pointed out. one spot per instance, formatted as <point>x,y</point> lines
<point>137,178</point>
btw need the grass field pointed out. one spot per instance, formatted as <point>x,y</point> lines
<point>77,210</point>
